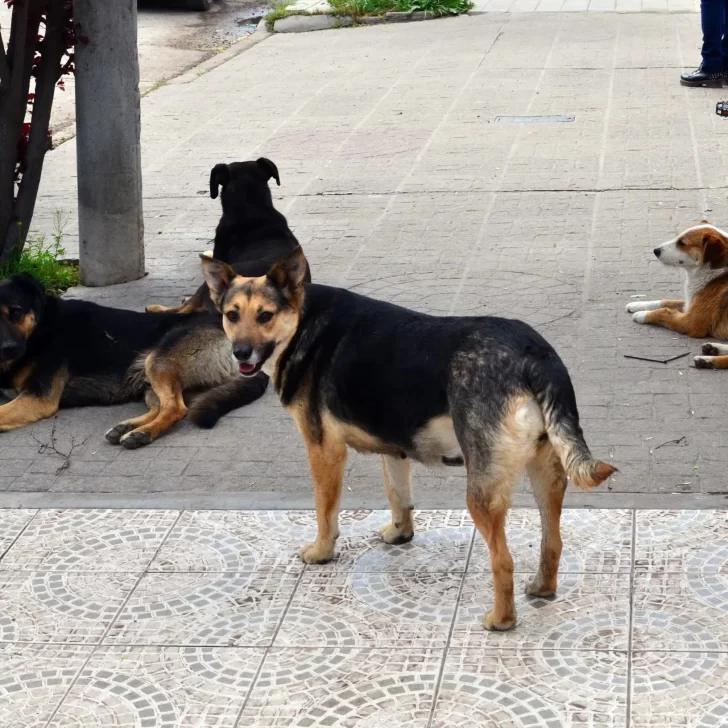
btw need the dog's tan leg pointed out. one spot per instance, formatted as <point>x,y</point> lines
<point>191,305</point>
<point>115,433</point>
<point>166,381</point>
<point>398,485</point>
<point>328,462</point>
<point>489,515</point>
<point>27,408</point>
<point>634,306</point>
<point>711,362</point>
<point>683,323</point>
<point>548,481</point>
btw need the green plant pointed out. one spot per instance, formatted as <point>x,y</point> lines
<point>279,11</point>
<point>44,260</point>
<point>358,8</point>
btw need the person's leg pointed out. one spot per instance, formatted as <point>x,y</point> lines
<point>724,42</point>
<point>713,20</point>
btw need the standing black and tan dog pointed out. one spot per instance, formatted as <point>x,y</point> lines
<point>65,353</point>
<point>487,393</point>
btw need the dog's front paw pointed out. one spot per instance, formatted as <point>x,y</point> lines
<point>395,534</point>
<point>316,553</point>
<point>136,439</point>
<point>640,317</point>
<point>703,362</point>
<point>633,306</point>
<point>499,622</point>
<point>114,434</point>
<point>710,350</point>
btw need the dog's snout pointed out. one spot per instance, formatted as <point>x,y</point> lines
<point>9,350</point>
<point>657,252</point>
<point>243,352</point>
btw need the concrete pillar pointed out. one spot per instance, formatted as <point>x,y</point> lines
<point>108,149</point>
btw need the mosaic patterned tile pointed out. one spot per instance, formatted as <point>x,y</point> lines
<point>442,542</point>
<point>343,687</point>
<point>681,611</point>
<point>34,679</point>
<point>677,541</point>
<point>167,687</point>
<point>251,540</point>
<point>90,540</point>
<point>204,609</point>
<point>525,689</point>
<point>12,522</point>
<point>60,606</point>
<point>595,541</point>
<point>671,689</point>
<point>589,612</point>
<point>373,609</point>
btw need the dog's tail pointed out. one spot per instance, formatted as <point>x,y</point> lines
<point>207,408</point>
<point>555,394</point>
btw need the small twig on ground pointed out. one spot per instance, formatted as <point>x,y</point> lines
<point>670,442</point>
<point>657,361</point>
<point>52,449</point>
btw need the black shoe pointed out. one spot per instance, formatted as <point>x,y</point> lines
<point>702,78</point>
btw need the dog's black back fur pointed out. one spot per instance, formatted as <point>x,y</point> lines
<point>389,370</point>
<point>251,235</point>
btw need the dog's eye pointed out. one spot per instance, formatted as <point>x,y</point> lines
<point>233,316</point>
<point>15,313</point>
<point>264,317</point>
<point>680,244</point>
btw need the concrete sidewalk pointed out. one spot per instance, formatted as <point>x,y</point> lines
<point>162,619</point>
<point>405,179</point>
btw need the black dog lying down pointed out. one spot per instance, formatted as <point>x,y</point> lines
<point>66,353</point>
<point>252,235</point>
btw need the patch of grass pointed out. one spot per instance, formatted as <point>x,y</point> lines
<point>358,8</point>
<point>279,11</point>
<point>158,85</point>
<point>42,259</point>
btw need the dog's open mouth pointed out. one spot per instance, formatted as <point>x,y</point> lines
<point>249,370</point>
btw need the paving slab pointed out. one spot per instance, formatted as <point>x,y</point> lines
<point>401,184</point>
<point>208,619</point>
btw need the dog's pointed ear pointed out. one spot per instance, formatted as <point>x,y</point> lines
<point>32,286</point>
<point>289,274</point>
<point>218,276</point>
<point>219,175</point>
<point>269,169</point>
<point>715,249</point>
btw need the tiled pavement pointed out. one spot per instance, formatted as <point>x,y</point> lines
<point>206,619</point>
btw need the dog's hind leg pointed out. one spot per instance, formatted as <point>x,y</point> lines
<point>189,306</point>
<point>328,462</point>
<point>115,433</point>
<point>398,484</point>
<point>495,456</point>
<point>548,481</point>
<point>166,381</point>
<point>488,509</point>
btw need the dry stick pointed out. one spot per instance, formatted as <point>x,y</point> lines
<point>50,447</point>
<point>657,361</point>
<point>670,442</point>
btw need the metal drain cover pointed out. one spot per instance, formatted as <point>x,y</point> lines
<point>533,119</point>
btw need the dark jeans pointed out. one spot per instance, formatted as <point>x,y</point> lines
<point>714,17</point>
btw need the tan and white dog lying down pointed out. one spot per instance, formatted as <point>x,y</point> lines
<point>702,251</point>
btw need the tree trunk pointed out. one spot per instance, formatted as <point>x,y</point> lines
<point>13,104</point>
<point>47,75</point>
